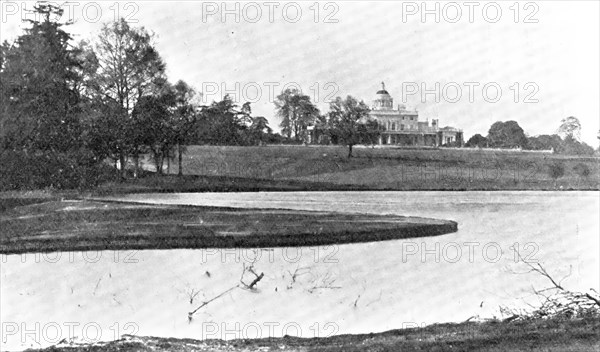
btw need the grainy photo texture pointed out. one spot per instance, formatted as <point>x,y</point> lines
<point>299,176</point>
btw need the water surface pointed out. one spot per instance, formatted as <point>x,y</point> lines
<point>316,291</point>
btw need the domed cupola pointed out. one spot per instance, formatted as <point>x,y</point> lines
<point>383,100</point>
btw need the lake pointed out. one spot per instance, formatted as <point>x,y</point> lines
<point>310,291</point>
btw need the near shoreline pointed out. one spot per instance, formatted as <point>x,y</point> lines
<point>537,335</point>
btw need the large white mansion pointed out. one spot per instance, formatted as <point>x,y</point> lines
<point>402,127</point>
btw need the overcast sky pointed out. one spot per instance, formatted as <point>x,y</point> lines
<point>546,65</point>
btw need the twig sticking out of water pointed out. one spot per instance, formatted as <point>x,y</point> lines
<point>356,301</point>
<point>376,300</point>
<point>297,273</point>
<point>192,293</point>
<point>324,282</point>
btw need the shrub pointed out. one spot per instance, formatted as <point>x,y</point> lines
<point>454,144</point>
<point>556,170</point>
<point>582,170</point>
<point>22,171</point>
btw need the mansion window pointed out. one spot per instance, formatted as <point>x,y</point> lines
<point>401,127</point>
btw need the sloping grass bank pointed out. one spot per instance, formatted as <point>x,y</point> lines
<point>393,169</point>
<point>152,183</point>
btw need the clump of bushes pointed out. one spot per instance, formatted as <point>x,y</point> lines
<point>582,170</point>
<point>73,170</point>
<point>556,170</point>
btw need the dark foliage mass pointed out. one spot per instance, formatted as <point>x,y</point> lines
<point>569,145</point>
<point>70,111</point>
<point>506,135</point>
<point>478,141</point>
<point>556,170</point>
<point>510,135</point>
<point>42,124</point>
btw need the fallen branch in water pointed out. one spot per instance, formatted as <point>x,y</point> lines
<point>257,277</point>
<point>190,314</point>
<point>556,300</point>
<point>242,284</point>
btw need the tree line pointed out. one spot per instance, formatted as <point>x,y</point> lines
<point>67,108</point>
<point>510,135</point>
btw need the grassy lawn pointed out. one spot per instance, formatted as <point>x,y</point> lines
<point>75,225</point>
<point>326,167</point>
<point>151,183</point>
<point>550,335</point>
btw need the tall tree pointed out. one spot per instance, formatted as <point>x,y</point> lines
<point>570,127</point>
<point>322,131</point>
<point>38,79</point>
<point>152,125</point>
<point>44,106</point>
<point>348,118</point>
<point>184,119</point>
<point>507,135</point>
<point>223,123</point>
<point>296,111</point>
<point>106,129</point>
<point>259,130</point>
<point>129,69</point>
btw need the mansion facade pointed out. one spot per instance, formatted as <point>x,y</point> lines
<point>399,127</point>
<point>402,127</point>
